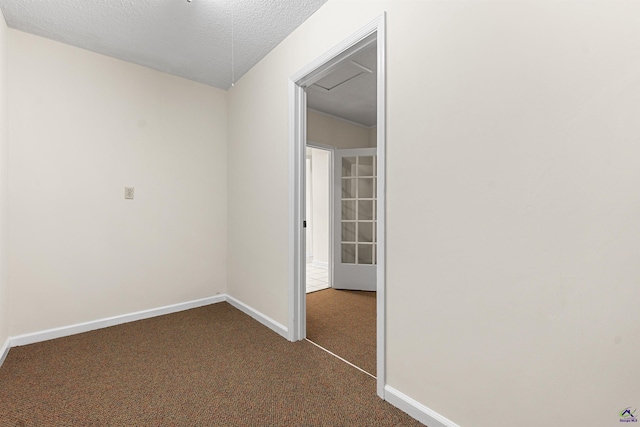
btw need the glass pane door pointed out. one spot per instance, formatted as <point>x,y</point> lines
<point>354,236</point>
<point>358,210</point>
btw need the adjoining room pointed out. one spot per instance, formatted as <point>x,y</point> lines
<point>341,211</point>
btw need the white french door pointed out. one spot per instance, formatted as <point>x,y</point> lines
<point>354,242</point>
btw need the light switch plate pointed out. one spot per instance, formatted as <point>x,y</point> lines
<point>128,192</point>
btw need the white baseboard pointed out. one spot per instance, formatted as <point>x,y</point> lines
<point>262,318</point>
<point>393,396</point>
<point>320,264</point>
<point>64,331</point>
<point>416,409</point>
<point>4,350</point>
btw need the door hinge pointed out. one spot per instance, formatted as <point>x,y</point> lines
<point>304,224</point>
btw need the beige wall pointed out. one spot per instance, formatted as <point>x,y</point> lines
<point>257,205</point>
<point>4,318</point>
<point>82,127</point>
<point>338,133</point>
<point>512,272</point>
<point>320,206</point>
<point>512,268</point>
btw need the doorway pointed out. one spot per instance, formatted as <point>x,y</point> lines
<point>371,35</point>
<point>319,167</point>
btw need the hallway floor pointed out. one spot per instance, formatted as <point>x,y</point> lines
<point>317,278</point>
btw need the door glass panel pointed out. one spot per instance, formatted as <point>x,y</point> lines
<point>348,188</point>
<point>358,203</point>
<point>365,166</point>
<point>365,210</point>
<point>348,253</point>
<point>349,166</point>
<point>348,231</point>
<point>365,231</point>
<point>365,188</point>
<point>365,254</point>
<point>348,210</point>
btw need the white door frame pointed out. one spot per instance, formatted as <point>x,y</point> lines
<point>308,235</point>
<point>331,150</point>
<point>372,33</point>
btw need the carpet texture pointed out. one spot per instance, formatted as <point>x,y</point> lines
<point>344,322</point>
<point>210,366</point>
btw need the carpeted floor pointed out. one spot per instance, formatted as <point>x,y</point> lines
<point>210,366</point>
<point>344,322</point>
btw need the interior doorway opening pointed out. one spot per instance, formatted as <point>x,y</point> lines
<point>372,35</point>
<point>319,205</point>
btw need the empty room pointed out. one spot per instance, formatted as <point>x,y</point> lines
<point>152,212</point>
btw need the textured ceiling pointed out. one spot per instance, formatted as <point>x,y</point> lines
<point>188,39</point>
<point>352,90</point>
<point>193,40</point>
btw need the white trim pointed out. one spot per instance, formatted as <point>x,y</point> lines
<point>332,151</point>
<point>296,276</point>
<point>260,317</point>
<point>320,146</point>
<point>370,34</point>
<point>381,214</point>
<point>4,350</point>
<point>79,328</point>
<point>320,264</point>
<point>308,216</point>
<point>416,409</point>
<point>317,69</point>
<point>65,331</point>
<point>331,116</point>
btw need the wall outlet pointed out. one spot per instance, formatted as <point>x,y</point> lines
<point>128,192</point>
